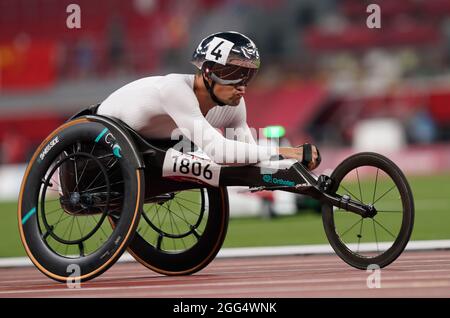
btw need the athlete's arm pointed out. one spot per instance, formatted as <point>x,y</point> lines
<point>244,133</point>
<point>181,105</point>
<point>240,129</point>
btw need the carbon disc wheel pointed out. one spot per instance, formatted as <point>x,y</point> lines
<point>182,232</point>
<point>79,178</point>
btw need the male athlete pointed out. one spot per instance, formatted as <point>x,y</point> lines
<point>198,104</point>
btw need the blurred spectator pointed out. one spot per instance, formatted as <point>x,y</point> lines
<point>116,44</point>
<point>62,59</point>
<point>325,41</point>
<point>382,70</point>
<point>174,35</point>
<point>279,27</point>
<point>145,6</point>
<point>13,148</point>
<point>85,59</point>
<point>421,128</point>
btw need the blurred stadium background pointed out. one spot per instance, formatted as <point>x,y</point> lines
<point>325,77</point>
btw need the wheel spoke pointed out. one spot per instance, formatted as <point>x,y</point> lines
<point>390,211</point>
<point>92,150</point>
<point>77,181</point>
<point>375,232</point>
<point>384,228</point>
<point>100,172</point>
<point>359,235</point>
<point>184,244</point>
<point>354,196</point>
<point>197,215</point>
<point>385,193</point>
<point>157,208</point>
<point>64,235</point>
<point>157,215</point>
<point>359,185</point>
<point>53,211</point>
<point>343,234</point>
<point>164,218</point>
<point>181,209</point>
<point>84,226</point>
<point>82,172</point>
<point>105,156</point>
<point>104,186</point>
<point>173,213</point>
<point>87,162</point>
<point>179,232</point>
<point>171,227</point>
<point>70,234</point>
<point>375,188</point>
<point>57,222</point>
<point>60,220</point>
<point>100,227</point>
<point>184,199</point>
<point>79,227</point>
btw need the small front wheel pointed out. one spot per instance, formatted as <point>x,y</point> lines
<point>370,179</point>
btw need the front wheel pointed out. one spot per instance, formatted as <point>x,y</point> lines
<point>370,178</point>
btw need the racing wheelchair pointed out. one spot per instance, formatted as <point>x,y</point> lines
<point>95,188</point>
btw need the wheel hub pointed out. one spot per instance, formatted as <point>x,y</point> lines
<point>83,204</point>
<point>371,211</point>
<point>74,198</point>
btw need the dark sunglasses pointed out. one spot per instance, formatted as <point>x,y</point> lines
<point>232,74</point>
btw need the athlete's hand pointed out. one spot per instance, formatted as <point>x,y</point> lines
<point>307,154</point>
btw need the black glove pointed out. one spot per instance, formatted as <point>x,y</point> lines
<point>307,155</point>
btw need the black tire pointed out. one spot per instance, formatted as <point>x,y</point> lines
<point>394,220</point>
<point>168,259</point>
<point>115,190</point>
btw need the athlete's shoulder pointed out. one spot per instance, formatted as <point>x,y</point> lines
<point>158,80</point>
<point>176,84</point>
<point>142,83</point>
<point>178,79</point>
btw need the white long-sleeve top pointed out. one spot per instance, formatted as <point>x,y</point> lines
<point>161,107</point>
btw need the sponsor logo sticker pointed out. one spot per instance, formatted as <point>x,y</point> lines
<point>47,148</point>
<point>267,178</point>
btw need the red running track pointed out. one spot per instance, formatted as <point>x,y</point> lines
<point>414,274</point>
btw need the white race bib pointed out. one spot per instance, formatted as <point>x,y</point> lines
<point>184,166</point>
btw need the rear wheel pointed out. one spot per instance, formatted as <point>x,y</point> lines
<point>373,179</point>
<point>182,232</point>
<point>73,185</point>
